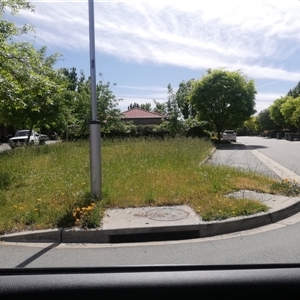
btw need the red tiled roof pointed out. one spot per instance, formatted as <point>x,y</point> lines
<point>141,113</point>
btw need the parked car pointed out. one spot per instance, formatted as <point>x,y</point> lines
<point>53,135</point>
<point>21,136</point>
<point>229,135</point>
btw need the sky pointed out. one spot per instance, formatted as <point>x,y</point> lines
<point>143,46</point>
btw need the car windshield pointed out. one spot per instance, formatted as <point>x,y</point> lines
<point>169,132</point>
<point>22,133</point>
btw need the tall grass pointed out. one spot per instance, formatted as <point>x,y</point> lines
<point>48,186</point>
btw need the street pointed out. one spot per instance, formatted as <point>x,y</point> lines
<point>278,159</point>
<point>276,243</point>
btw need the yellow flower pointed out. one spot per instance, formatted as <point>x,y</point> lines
<point>83,183</point>
<point>78,209</point>
<point>35,209</point>
<point>15,206</point>
<point>39,200</point>
<point>21,207</point>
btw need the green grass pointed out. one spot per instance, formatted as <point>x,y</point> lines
<point>48,186</point>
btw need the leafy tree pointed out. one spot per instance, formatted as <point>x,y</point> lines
<point>224,99</point>
<point>72,78</point>
<point>31,89</point>
<point>133,105</point>
<point>276,113</point>
<point>108,113</point>
<point>295,92</point>
<point>173,125</point>
<point>251,125</point>
<point>290,110</point>
<point>146,106</point>
<point>264,121</point>
<point>9,29</point>
<point>160,108</point>
<point>182,98</point>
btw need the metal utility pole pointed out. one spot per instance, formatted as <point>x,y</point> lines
<point>95,137</point>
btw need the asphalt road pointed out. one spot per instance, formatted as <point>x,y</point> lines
<point>276,243</point>
<point>278,159</point>
<point>283,152</point>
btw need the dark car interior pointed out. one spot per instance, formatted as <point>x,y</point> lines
<point>157,282</point>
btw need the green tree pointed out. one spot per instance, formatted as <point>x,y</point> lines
<point>30,95</point>
<point>276,113</point>
<point>251,125</point>
<point>108,113</point>
<point>290,110</point>
<point>9,29</point>
<point>146,106</point>
<point>160,107</point>
<point>224,99</point>
<point>173,125</point>
<point>133,105</point>
<point>182,98</point>
<point>264,121</point>
<point>295,92</point>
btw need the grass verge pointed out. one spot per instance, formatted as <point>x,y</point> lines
<point>48,186</point>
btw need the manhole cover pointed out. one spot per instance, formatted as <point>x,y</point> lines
<point>167,214</point>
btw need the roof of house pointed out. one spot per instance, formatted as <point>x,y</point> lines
<point>141,113</point>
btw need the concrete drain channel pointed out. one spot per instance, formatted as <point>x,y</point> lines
<point>165,214</point>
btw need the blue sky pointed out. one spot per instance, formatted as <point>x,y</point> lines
<point>143,46</point>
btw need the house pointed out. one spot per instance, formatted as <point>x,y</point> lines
<point>143,117</point>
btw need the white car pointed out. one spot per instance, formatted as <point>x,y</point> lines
<point>229,135</point>
<point>21,136</point>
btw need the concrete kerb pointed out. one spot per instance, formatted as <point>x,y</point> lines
<point>37,236</point>
<point>201,230</point>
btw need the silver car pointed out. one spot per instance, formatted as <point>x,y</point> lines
<point>229,135</point>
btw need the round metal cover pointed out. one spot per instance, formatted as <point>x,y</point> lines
<point>167,214</point>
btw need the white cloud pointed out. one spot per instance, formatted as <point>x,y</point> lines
<point>192,34</point>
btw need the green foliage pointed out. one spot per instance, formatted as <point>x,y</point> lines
<point>264,121</point>
<point>8,29</point>
<point>31,90</point>
<point>108,113</point>
<point>276,113</point>
<point>133,105</point>
<point>173,124</point>
<point>145,106</point>
<point>290,110</point>
<point>224,99</point>
<point>287,187</point>
<point>160,108</point>
<point>295,92</point>
<point>182,98</point>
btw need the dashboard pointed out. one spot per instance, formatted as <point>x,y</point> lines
<point>157,282</point>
